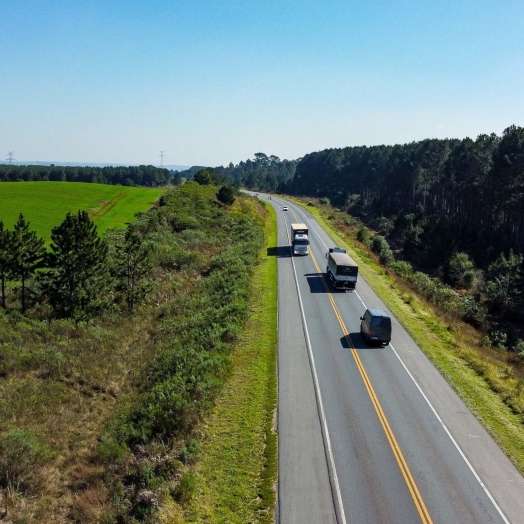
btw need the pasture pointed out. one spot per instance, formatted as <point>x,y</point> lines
<point>45,204</point>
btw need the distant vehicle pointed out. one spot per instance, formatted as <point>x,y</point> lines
<point>341,269</point>
<point>375,326</point>
<point>299,239</point>
<point>284,208</point>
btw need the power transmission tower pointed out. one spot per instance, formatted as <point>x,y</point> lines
<point>10,154</point>
<point>162,158</point>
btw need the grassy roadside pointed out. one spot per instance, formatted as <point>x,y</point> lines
<point>481,377</point>
<point>236,475</point>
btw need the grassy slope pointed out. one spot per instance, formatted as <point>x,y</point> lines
<point>238,466</point>
<point>480,379</point>
<point>45,204</point>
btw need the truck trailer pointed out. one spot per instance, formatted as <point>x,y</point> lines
<point>299,239</point>
<point>341,268</point>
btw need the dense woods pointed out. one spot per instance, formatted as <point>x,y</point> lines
<point>448,215</point>
<point>471,189</point>
<point>147,176</point>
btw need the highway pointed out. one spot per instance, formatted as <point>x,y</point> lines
<point>371,435</point>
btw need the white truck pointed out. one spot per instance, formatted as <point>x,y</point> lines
<point>299,239</point>
<point>341,268</point>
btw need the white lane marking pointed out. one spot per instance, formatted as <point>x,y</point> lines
<point>482,485</point>
<point>327,440</point>
<point>470,466</point>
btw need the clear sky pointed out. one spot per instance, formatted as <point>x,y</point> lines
<point>216,81</point>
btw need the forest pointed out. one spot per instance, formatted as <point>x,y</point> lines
<point>447,214</point>
<point>148,176</point>
<point>263,172</point>
<point>471,191</point>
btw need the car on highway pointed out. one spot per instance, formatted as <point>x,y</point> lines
<point>284,208</point>
<point>375,326</point>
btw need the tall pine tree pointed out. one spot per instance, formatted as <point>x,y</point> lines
<point>28,254</point>
<point>131,269</point>
<point>78,275</point>
<point>6,256</point>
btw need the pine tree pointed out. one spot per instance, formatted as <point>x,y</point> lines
<point>226,195</point>
<point>131,269</point>
<point>6,255</point>
<point>78,275</point>
<point>28,254</point>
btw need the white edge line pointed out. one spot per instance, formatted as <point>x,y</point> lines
<point>319,396</point>
<point>468,463</point>
<point>482,485</point>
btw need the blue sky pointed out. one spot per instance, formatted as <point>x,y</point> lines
<point>213,82</point>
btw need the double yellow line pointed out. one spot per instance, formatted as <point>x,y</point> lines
<point>415,494</point>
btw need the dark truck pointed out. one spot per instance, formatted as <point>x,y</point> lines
<point>341,268</point>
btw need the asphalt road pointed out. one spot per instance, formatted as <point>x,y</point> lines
<point>371,435</point>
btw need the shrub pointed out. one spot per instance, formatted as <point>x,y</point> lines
<point>109,450</point>
<point>21,455</point>
<point>402,268</point>
<point>186,488</point>
<point>386,257</point>
<point>474,312</point>
<point>378,244</point>
<point>363,234</point>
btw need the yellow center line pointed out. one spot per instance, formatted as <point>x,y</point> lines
<point>401,461</point>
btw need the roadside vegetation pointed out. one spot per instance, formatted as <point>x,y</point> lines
<point>239,445</point>
<point>489,379</point>
<point>106,402</point>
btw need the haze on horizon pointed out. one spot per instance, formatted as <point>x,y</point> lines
<point>208,83</point>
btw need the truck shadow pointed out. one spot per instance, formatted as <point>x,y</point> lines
<point>279,251</point>
<point>315,283</point>
<point>316,286</point>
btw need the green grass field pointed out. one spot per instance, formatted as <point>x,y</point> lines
<point>45,204</point>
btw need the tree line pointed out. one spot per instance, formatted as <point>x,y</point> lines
<point>263,173</point>
<point>148,176</point>
<point>80,275</point>
<point>471,191</point>
<point>448,216</point>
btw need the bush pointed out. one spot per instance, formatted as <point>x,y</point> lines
<point>363,234</point>
<point>402,269</point>
<point>186,488</point>
<point>474,312</point>
<point>21,455</point>
<point>190,451</point>
<point>379,244</point>
<point>386,257</point>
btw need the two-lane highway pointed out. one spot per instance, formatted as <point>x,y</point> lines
<point>371,434</point>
